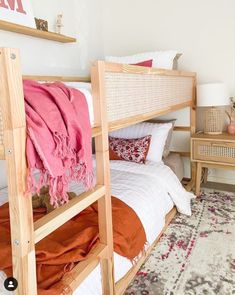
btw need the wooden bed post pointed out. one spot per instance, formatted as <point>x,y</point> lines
<point>193,108</point>
<point>191,184</point>
<point>103,175</point>
<point>20,205</point>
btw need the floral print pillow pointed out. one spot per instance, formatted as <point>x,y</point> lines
<point>133,150</point>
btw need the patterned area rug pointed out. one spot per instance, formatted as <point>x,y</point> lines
<point>196,255</point>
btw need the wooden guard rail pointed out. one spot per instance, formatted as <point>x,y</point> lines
<point>96,131</point>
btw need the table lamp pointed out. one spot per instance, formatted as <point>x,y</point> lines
<point>213,95</point>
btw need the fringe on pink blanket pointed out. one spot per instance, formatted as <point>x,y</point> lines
<point>58,139</point>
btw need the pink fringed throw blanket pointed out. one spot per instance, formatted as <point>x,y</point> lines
<point>59,138</point>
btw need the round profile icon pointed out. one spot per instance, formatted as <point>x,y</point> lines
<point>10,284</point>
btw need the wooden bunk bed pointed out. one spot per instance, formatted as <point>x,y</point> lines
<point>115,88</point>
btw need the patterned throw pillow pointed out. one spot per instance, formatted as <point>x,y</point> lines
<point>133,150</point>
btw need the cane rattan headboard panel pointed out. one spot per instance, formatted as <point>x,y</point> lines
<point>134,94</point>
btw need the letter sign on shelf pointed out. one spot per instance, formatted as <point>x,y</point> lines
<point>17,11</point>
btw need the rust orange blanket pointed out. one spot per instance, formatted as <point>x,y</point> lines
<point>58,253</point>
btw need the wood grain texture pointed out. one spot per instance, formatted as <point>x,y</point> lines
<point>221,137</point>
<point>2,152</point>
<point>11,27</point>
<point>133,69</point>
<point>50,222</point>
<point>205,175</point>
<point>122,284</point>
<point>182,128</point>
<point>14,138</point>
<point>193,119</point>
<point>103,175</point>
<point>144,117</point>
<point>96,131</point>
<point>57,78</point>
<point>198,178</point>
<point>182,154</point>
<point>216,166</point>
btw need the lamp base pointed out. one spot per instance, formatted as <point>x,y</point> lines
<point>213,121</point>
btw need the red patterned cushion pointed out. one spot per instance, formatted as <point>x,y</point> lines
<point>133,150</point>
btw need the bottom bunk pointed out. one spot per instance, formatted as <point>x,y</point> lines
<point>151,191</point>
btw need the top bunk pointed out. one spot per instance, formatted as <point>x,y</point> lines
<point>134,93</point>
<point>129,94</point>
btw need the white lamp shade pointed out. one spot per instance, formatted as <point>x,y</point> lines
<point>213,94</point>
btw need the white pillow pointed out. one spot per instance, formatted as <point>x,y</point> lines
<point>78,85</point>
<point>161,59</point>
<point>159,134</point>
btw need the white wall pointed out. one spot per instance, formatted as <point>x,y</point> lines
<point>202,30</point>
<point>82,19</point>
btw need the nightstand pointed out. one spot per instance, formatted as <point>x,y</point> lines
<point>212,151</point>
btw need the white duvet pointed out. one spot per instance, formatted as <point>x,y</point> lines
<point>151,190</point>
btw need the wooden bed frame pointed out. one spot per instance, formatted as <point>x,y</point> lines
<point>24,232</point>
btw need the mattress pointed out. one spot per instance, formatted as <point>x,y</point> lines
<point>138,186</point>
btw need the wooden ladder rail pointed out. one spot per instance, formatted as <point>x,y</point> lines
<point>25,233</point>
<point>193,122</point>
<point>20,205</point>
<point>103,175</point>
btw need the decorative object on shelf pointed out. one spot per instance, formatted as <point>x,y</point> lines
<point>41,24</point>
<point>18,12</point>
<point>19,29</point>
<point>59,24</point>
<point>213,95</point>
<point>231,116</point>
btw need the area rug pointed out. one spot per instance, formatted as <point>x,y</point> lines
<point>196,255</point>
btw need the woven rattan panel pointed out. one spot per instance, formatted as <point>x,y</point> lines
<point>135,94</point>
<point>1,128</point>
<point>217,151</point>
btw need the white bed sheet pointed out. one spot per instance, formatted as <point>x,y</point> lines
<point>144,189</point>
<point>138,192</point>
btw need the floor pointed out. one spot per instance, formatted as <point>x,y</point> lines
<point>195,256</point>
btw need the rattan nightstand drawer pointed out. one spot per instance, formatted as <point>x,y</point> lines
<point>213,151</point>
